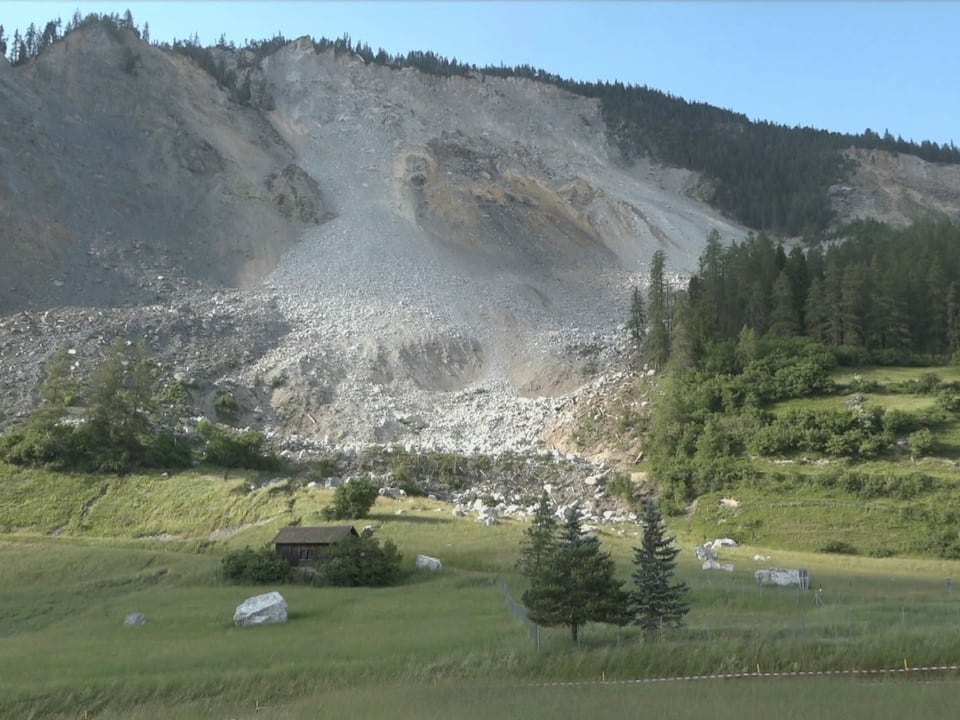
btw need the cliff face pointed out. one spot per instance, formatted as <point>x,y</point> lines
<point>360,255</point>
<point>120,163</point>
<point>897,189</point>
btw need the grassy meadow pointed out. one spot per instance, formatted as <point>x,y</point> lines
<point>79,553</point>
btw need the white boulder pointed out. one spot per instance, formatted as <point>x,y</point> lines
<point>261,610</point>
<point>724,542</point>
<point>783,577</point>
<point>714,565</point>
<point>431,564</point>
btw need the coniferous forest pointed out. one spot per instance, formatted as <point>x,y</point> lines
<point>880,294</point>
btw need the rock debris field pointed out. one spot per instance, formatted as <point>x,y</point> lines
<point>465,253</point>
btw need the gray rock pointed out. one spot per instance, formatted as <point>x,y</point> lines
<point>431,564</point>
<point>135,619</point>
<point>261,610</point>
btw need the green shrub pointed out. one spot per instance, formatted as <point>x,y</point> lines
<point>621,486</point>
<point>896,422</point>
<point>411,488</point>
<point>351,501</point>
<point>257,567</point>
<point>226,406</point>
<point>320,468</point>
<point>921,442</point>
<point>949,401</point>
<point>945,544</point>
<point>926,383</point>
<point>837,547</point>
<point>243,450</point>
<point>354,562</point>
<point>168,450</point>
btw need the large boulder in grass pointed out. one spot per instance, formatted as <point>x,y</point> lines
<point>261,610</point>
<point>430,564</point>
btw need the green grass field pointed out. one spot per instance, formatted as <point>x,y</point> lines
<point>79,552</point>
<point>74,565</point>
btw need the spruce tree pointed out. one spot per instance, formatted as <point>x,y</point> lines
<point>539,540</point>
<point>657,601</point>
<point>637,324</point>
<point>658,305</point>
<point>784,319</point>
<point>576,584</point>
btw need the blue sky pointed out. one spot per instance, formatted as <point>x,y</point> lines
<point>842,66</point>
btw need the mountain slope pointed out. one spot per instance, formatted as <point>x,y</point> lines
<point>121,162</point>
<point>361,255</point>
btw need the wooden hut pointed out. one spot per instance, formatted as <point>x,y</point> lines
<point>308,545</point>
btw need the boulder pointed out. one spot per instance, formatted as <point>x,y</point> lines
<point>783,577</point>
<point>714,565</point>
<point>432,564</point>
<point>261,610</point>
<point>724,542</point>
<point>135,619</point>
<point>705,552</point>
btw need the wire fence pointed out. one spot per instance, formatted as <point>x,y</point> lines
<point>907,671</point>
<point>520,613</point>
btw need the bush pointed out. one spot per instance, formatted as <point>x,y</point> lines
<point>837,547</point>
<point>360,561</point>
<point>168,450</point>
<point>256,567</point>
<point>898,421</point>
<point>351,501</point>
<point>412,489</point>
<point>926,383</point>
<point>621,486</point>
<point>921,442</point>
<point>243,450</point>
<point>59,447</point>
<point>948,401</point>
<point>226,406</point>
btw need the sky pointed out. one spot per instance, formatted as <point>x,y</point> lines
<point>842,66</point>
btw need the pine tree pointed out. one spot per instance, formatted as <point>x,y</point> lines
<point>539,540</point>
<point>657,601</point>
<point>711,302</point>
<point>815,312</point>
<point>121,396</point>
<point>576,584</point>
<point>56,390</point>
<point>784,320</point>
<point>953,318</point>
<point>637,324</point>
<point>658,304</point>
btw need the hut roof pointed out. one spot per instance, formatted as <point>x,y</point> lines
<point>313,535</point>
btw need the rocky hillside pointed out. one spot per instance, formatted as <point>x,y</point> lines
<point>362,255</point>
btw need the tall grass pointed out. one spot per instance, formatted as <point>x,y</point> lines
<point>851,699</point>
